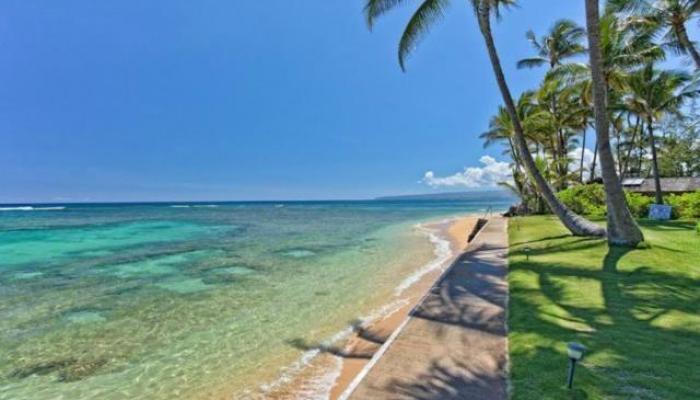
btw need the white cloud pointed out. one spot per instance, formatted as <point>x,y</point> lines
<point>473,177</point>
<point>575,163</point>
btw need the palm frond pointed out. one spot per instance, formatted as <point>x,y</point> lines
<point>532,62</point>
<point>376,8</point>
<point>425,16</point>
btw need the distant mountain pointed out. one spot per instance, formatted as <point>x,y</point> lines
<point>481,195</point>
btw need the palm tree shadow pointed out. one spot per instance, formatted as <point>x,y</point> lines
<point>362,332</point>
<point>613,256</point>
<point>337,351</point>
<point>449,380</point>
<point>544,239</point>
<point>633,298</point>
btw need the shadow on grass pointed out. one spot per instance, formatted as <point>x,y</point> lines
<point>544,239</point>
<point>632,356</point>
<point>667,225</point>
<point>574,244</point>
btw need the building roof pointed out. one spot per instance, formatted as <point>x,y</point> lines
<point>668,185</point>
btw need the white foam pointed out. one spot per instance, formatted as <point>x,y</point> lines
<point>194,206</point>
<point>443,253</point>
<point>30,208</point>
<point>290,372</point>
<point>319,387</point>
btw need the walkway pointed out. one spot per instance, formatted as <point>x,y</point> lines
<point>453,346</point>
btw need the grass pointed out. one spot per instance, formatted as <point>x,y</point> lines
<point>637,312</point>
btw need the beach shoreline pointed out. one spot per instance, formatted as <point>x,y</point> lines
<point>335,367</point>
<point>457,232</point>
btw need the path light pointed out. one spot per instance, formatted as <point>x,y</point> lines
<point>575,351</point>
<point>526,250</point>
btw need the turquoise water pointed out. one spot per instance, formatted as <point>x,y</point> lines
<point>158,301</point>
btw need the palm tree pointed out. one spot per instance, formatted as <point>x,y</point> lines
<point>425,15</point>
<point>501,130</point>
<point>669,16</point>
<point>625,44</point>
<point>622,229</point>
<point>563,41</point>
<point>652,95</point>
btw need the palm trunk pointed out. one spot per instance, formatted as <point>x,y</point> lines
<point>654,163</point>
<point>618,141</point>
<point>574,223</point>
<point>622,229</point>
<point>593,164</point>
<point>583,152</point>
<point>563,161</point>
<point>625,166</point>
<point>641,150</point>
<point>683,38</point>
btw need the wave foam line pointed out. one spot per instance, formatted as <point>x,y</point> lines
<point>194,206</point>
<point>30,208</point>
<point>443,253</point>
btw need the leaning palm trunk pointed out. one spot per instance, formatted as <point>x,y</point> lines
<point>682,35</point>
<point>622,229</point>
<point>575,223</point>
<point>654,163</point>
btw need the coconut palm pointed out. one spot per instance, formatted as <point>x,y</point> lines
<point>428,12</point>
<point>622,229</point>
<point>563,41</point>
<point>501,130</point>
<point>654,94</point>
<point>669,16</point>
<point>624,45</point>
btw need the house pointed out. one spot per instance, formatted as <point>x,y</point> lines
<point>668,185</point>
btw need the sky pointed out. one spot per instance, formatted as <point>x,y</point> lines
<point>234,100</point>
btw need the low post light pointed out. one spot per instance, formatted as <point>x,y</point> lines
<point>527,250</point>
<point>575,352</point>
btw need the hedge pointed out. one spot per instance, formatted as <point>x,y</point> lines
<point>590,200</point>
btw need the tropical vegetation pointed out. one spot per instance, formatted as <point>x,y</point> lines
<point>611,78</point>
<point>641,112</point>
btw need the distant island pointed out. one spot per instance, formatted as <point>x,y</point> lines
<point>482,195</point>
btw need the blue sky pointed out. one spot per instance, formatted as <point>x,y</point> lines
<point>215,100</point>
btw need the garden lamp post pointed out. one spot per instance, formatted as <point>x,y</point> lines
<point>526,250</point>
<point>575,352</point>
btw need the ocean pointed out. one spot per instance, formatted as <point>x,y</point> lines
<point>198,300</point>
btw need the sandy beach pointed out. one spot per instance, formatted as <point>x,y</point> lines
<point>361,342</point>
<point>367,338</point>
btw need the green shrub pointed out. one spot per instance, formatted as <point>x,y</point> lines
<point>590,200</point>
<point>685,205</point>
<point>584,199</point>
<point>638,204</point>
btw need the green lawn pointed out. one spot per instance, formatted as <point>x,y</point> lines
<point>637,311</point>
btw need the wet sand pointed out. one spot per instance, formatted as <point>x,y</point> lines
<point>366,340</point>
